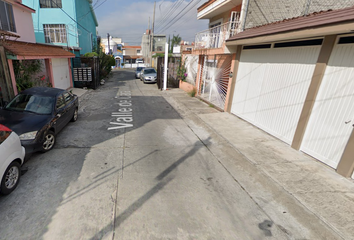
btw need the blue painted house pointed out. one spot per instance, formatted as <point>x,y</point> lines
<point>65,23</point>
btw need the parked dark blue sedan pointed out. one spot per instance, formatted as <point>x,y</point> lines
<point>38,114</point>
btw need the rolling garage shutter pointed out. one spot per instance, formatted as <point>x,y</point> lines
<point>271,86</point>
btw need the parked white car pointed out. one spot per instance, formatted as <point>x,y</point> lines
<point>12,157</point>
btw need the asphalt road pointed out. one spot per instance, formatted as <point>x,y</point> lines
<point>131,167</point>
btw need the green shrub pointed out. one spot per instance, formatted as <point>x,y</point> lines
<point>106,62</point>
<point>26,74</point>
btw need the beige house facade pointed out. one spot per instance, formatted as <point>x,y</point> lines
<point>292,76</point>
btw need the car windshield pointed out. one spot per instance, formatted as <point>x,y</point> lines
<point>31,103</point>
<point>148,71</point>
<point>139,69</point>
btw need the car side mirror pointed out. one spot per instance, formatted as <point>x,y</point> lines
<point>59,112</point>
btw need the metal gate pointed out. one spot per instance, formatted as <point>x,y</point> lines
<point>172,69</point>
<point>214,78</point>
<point>191,64</point>
<point>86,72</point>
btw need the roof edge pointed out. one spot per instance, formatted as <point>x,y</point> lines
<point>24,7</point>
<point>316,20</point>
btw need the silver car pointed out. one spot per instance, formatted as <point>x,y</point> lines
<point>138,71</point>
<point>148,75</point>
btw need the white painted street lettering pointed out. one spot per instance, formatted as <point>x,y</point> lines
<point>124,115</point>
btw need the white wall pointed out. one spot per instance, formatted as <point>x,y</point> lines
<point>134,65</point>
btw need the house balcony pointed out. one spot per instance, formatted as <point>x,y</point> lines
<point>215,37</point>
<point>213,8</point>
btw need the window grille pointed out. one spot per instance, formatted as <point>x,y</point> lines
<point>50,3</point>
<point>7,20</point>
<point>55,33</point>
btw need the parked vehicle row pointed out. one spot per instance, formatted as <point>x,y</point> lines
<point>32,119</point>
<point>138,71</point>
<point>147,75</point>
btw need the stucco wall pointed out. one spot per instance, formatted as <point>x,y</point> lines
<point>87,26</point>
<point>24,25</point>
<point>160,43</point>
<point>81,35</point>
<point>262,12</point>
<point>131,51</point>
<point>225,15</point>
<point>54,16</point>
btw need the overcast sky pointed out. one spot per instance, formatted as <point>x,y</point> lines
<point>129,19</point>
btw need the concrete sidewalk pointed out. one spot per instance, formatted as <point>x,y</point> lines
<point>299,193</point>
<point>78,91</point>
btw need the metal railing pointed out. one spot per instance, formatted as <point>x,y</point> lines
<point>215,37</point>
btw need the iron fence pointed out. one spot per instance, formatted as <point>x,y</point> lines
<point>214,37</point>
<point>173,64</point>
<point>214,78</point>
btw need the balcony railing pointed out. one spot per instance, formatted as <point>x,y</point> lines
<point>215,37</point>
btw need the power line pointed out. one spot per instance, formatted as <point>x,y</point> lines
<point>171,10</point>
<point>170,23</point>
<point>187,19</point>
<point>71,17</point>
<point>93,8</point>
<point>100,4</point>
<point>167,24</point>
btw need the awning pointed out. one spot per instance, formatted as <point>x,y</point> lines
<point>25,51</point>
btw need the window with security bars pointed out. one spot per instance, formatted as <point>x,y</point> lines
<point>55,33</point>
<point>50,3</point>
<point>7,20</point>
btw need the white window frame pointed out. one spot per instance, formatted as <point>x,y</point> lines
<point>55,33</point>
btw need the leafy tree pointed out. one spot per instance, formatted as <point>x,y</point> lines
<point>106,62</point>
<point>176,40</point>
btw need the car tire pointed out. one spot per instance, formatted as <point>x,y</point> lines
<point>11,178</point>
<point>75,115</point>
<point>48,141</point>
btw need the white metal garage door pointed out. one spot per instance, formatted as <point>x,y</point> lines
<point>61,73</point>
<point>271,87</point>
<point>327,132</point>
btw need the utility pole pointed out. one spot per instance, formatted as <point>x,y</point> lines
<point>152,35</point>
<point>148,48</point>
<point>109,48</point>
<point>165,68</point>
